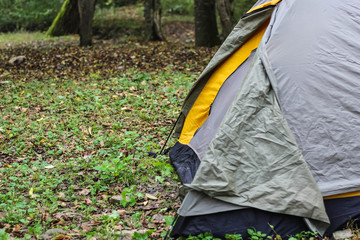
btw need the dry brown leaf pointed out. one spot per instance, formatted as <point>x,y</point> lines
<point>62,237</point>
<point>62,204</point>
<point>121,212</point>
<point>87,226</point>
<point>88,201</point>
<point>61,195</point>
<point>118,227</point>
<point>152,197</point>
<point>84,192</point>
<point>17,228</point>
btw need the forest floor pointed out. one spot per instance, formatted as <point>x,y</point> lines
<point>76,127</point>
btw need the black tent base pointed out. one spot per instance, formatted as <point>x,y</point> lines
<point>341,212</point>
<point>238,222</point>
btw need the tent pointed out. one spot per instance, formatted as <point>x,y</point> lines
<point>269,133</point>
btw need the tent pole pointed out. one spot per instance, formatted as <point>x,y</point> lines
<point>168,137</point>
<point>171,226</point>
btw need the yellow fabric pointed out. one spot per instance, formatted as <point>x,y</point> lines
<point>200,110</point>
<point>273,2</point>
<point>343,195</point>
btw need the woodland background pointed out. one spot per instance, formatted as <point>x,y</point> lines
<point>77,123</point>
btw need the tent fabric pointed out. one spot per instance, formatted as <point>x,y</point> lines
<point>197,203</point>
<point>238,221</point>
<point>342,211</point>
<point>263,4</point>
<point>254,160</point>
<point>186,158</point>
<point>316,78</point>
<point>240,34</point>
<point>201,140</point>
<point>185,162</point>
<point>343,195</point>
<point>287,135</point>
<point>201,108</point>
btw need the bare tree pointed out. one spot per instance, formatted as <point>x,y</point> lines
<point>75,16</point>
<point>86,12</point>
<point>152,15</point>
<point>67,20</point>
<point>206,32</point>
<point>226,11</point>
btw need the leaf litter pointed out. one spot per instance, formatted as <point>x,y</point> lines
<point>77,125</point>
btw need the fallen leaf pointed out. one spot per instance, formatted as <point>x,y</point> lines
<point>87,226</point>
<point>17,228</point>
<point>63,204</point>
<point>61,195</point>
<point>88,201</point>
<point>62,237</point>
<point>121,212</point>
<point>158,218</point>
<point>84,192</point>
<point>152,197</point>
<point>118,227</point>
<point>31,192</point>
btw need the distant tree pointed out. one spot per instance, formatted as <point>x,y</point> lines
<point>152,15</point>
<point>241,7</point>
<point>86,12</point>
<point>67,21</point>
<point>75,16</point>
<point>206,32</point>
<point>226,12</point>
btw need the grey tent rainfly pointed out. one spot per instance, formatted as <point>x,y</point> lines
<point>269,134</point>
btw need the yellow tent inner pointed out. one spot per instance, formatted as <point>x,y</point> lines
<point>343,195</point>
<point>200,110</point>
<point>270,3</point>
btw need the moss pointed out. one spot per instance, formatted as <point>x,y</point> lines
<point>67,20</point>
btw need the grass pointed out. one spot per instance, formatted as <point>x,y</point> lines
<point>9,39</point>
<point>74,149</point>
<point>68,145</point>
<point>19,37</point>
<point>71,145</point>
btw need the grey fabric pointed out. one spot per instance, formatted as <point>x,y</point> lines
<point>312,59</point>
<point>241,33</point>
<point>316,226</point>
<point>200,142</point>
<point>294,125</point>
<point>254,160</point>
<point>197,203</point>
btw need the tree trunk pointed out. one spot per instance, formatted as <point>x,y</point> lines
<point>152,15</point>
<point>225,11</point>
<point>86,12</point>
<point>206,32</point>
<point>67,21</point>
